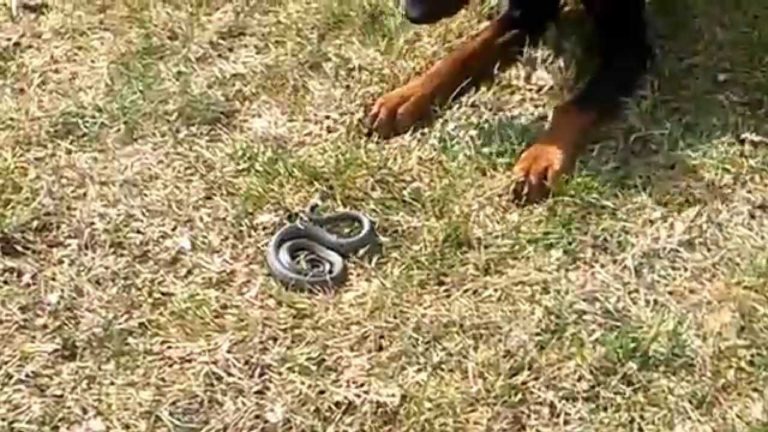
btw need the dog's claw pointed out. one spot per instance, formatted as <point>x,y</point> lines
<point>538,170</point>
<point>398,111</point>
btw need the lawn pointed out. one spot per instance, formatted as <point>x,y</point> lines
<point>149,149</point>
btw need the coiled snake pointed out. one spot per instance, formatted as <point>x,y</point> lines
<point>307,255</point>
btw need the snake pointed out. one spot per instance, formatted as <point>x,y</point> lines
<point>325,252</point>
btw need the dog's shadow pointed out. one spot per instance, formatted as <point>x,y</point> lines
<point>706,96</point>
<point>707,89</point>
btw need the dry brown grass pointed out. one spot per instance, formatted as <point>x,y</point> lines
<point>149,150</point>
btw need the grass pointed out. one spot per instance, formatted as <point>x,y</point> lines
<point>150,150</point>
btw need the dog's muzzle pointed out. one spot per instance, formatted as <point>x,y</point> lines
<point>432,11</point>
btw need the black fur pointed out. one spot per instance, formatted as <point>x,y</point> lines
<point>624,53</point>
<point>531,16</point>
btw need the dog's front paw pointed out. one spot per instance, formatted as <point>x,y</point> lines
<point>538,170</point>
<point>398,111</point>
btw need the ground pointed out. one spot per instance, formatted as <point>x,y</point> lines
<point>150,150</point>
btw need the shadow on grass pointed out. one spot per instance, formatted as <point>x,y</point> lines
<point>708,88</point>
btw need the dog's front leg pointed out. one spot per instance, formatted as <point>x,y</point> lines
<point>398,111</point>
<point>624,56</point>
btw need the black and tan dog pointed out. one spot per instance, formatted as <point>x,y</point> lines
<point>623,48</point>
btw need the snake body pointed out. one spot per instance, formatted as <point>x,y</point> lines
<point>326,250</point>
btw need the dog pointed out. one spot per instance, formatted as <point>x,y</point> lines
<point>624,52</point>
